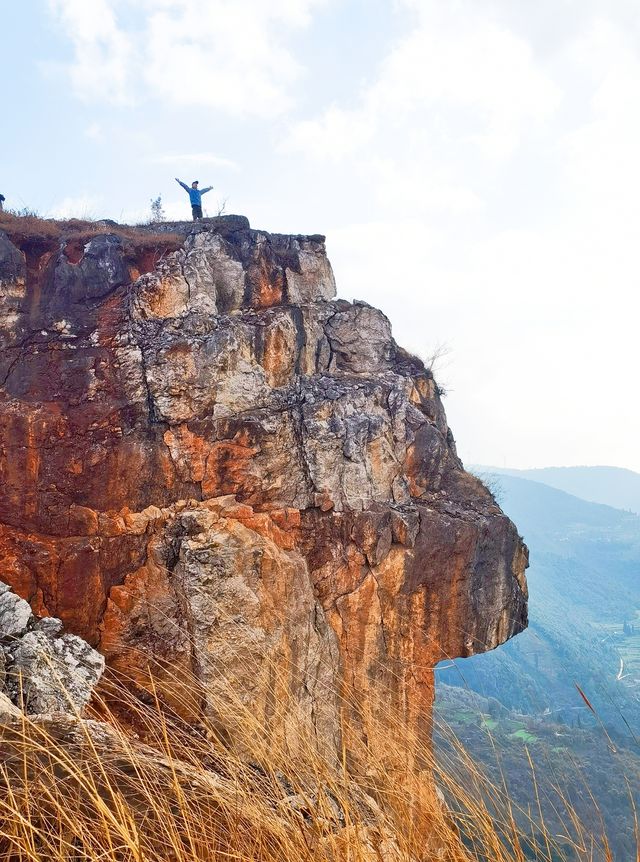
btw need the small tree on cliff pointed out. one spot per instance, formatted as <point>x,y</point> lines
<point>157,210</point>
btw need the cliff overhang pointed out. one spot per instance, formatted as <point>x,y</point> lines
<point>208,459</point>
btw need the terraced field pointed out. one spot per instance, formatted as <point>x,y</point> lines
<point>627,645</point>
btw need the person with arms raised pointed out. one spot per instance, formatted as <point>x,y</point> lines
<point>195,196</point>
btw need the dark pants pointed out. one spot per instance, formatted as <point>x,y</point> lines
<point>196,212</point>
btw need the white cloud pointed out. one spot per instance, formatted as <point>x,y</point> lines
<point>195,159</point>
<point>104,54</point>
<point>233,56</point>
<point>454,98</point>
<point>495,187</point>
<point>93,131</point>
<point>481,186</point>
<point>80,206</point>
<point>458,57</point>
<point>336,135</point>
<point>601,155</point>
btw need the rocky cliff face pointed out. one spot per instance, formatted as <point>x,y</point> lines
<point>217,464</point>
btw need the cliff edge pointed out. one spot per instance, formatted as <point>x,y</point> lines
<point>208,461</point>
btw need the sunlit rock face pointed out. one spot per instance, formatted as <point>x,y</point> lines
<point>217,464</point>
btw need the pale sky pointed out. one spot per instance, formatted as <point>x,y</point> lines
<point>473,163</point>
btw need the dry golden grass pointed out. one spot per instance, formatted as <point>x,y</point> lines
<point>30,229</point>
<point>153,787</point>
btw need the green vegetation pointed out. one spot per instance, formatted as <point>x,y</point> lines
<point>524,735</point>
<point>625,638</point>
<point>584,632</point>
<point>566,771</point>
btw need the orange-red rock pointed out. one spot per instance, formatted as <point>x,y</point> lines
<point>220,466</point>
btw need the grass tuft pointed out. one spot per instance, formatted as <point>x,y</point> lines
<point>30,230</point>
<point>143,783</point>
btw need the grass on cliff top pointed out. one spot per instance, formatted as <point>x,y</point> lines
<point>176,790</point>
<point>22,228</point>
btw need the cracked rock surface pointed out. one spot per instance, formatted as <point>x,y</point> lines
<point>211,461</point>
<point>42,669</point>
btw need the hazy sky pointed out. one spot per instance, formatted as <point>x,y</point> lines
<point>475,165</point>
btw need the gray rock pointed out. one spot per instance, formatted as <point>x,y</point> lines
<point>223,225</point>
<point>41,669</point>
<point>360,339</point>
<point>8,710</point>
<point>54,675</point>
<point>312,279</point>
<point>49,626</point>
<point>15,615</point>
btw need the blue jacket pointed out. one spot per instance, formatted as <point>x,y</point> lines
<point>195,195</point>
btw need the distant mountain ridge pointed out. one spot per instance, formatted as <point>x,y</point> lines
<point>585,560</point>
<point>613,486</point>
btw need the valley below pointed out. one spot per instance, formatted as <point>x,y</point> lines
<point>553,717</point>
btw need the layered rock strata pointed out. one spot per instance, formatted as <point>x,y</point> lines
<point>218,465</point>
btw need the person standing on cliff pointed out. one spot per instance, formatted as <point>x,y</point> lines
<point>1,202</point>
<point>195,196</point>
